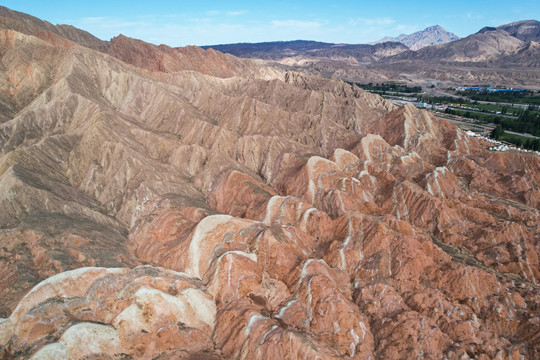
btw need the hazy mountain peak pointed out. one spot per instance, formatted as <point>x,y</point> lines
<point>432,35</point>
<point>434,28</point>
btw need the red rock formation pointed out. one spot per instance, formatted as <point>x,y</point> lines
<point>140,313</point>
<point>166,59</point>
<point>279,215</point>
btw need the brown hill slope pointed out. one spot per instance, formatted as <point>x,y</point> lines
<point>277,215</point>
<point>166,59</point>
<point>30,25</point>
<point>503,55</point>
<point>526,30</point>
<point>482,47</point>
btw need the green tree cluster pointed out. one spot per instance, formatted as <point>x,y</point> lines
<point>497,132</point>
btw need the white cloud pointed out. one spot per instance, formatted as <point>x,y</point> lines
<point>365,30</point>
<point>407,29</point>
<point>372,21</point>
<point>296,24</point>
<point>232,13</point>
<point>236,13</point>
<point>174,31</point>
<point>93,20</point>
<point>471,16</point>
<point>183,29</point>
<point>106,23</point>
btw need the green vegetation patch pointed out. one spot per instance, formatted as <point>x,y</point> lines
<point>390,87</point>
<point>521,141</point>
<point>512,97</point>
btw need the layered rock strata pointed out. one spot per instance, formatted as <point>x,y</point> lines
<point>156,210</point>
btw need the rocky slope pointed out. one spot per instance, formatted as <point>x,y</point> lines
<point>30,25</point>
<point>432,35</point>
<point>274,50</point>
<point>505,55</point>
<point>527,30</point>
<point>483,47</point>
<point>342,61</point>
<point>280,50</point>
<point>184,204</point>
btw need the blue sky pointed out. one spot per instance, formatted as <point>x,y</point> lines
<point>179,23</point>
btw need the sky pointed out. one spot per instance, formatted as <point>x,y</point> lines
<point>180,23</point>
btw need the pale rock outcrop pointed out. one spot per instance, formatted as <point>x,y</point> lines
<point>284,215</point>
<point>111,313</point>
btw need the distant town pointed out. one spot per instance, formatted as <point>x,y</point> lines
<point>510,116</point>
<point>488,88</point>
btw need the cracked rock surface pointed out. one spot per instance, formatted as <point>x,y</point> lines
<point>160,203</point>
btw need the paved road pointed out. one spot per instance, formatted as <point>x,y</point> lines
<point>517,106</point>
<point>522,134</point>
<point>485,112</point>
<point>484,127</point>
<point>480,126</point>
<point>442,93</point>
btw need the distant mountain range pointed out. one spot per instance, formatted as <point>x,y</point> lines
<point>278,50</point>
<point>500,45</point>
<point>162,203</point>
<point>432,35</point>
<point>504,55</point>
<point>508,54</point>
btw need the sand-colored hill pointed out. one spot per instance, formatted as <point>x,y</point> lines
<point>162,203</point>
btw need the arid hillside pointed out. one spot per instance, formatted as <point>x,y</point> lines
<point>506,55</point>
<point>160,203</point>
<point>432,35</point>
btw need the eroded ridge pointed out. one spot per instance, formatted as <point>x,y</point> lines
<point>279,215</point>
<point>361,259</point>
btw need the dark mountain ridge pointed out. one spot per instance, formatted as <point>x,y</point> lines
<point>504,46</point>
<point>278,50</point>
<point>526,30</point>
<point>270,49</point>
<point>506,55</point>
